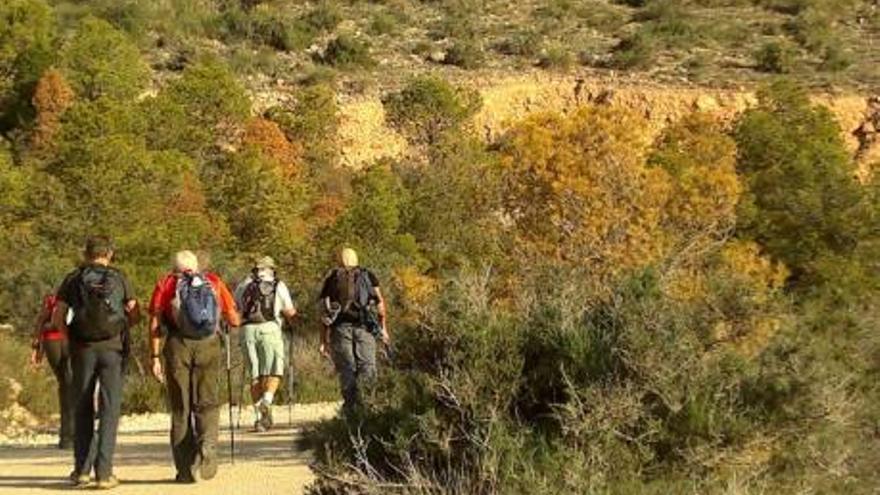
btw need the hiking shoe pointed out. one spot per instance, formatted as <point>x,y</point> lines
<point>208,464</point>
<point>80,480</point>
<point>184,478</point>
<point>107,484</point>
<point>266,416</point>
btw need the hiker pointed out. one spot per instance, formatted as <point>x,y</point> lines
<point>104,307</point>
<point>353,314</point>
<point>189,303</point>
<point>264,300</point>
<point>51,343</point>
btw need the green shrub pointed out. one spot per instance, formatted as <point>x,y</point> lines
<point>525,43</point>
<point>267,27</point>
<point>386,22</point>
<point>101,61</point>
<point>467,54</point>
<point>556,57</point>
<point>812,28</point>
<point>428,107</point>
<point>775,57</point>
<point>347,52</point>
<point>805,205</point>
<point>325,16</point>
<point>835,59</point>
<point>634,52</point>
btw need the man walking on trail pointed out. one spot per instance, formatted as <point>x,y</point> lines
<point>50,342</point>
<point>190,304</point>
<point>263,301</point>
<point>104,308</point>
<point>353,314</point>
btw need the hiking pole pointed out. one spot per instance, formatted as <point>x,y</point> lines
<point>290,381</point>
<point>228,342</point>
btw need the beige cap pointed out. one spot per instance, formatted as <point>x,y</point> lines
<point>186,261</point>
<point>348,257</point>
<point>264,263</point>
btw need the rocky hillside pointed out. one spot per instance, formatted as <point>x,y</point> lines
<point>364,136</point>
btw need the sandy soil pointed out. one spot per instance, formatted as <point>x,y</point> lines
<point>266,463</point>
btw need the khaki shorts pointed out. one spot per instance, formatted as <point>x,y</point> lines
<point>263,347</point>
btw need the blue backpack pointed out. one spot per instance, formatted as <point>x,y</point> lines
<point>198,309</point>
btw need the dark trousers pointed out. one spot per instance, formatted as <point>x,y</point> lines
<point>353,349</point>
<point>57,355</point>
<point>192,375</point>
<point>89,367</point>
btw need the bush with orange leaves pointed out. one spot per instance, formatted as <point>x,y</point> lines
<point>700,159</point>
<point>52,97</point>
<point>578,189</point>
<point>267,137</point>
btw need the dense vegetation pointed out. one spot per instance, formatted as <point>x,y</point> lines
<point>578,307</point>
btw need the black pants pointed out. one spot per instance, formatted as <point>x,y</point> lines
<point>89,367</point>
<point>192,374</point>
<point>57,355</point>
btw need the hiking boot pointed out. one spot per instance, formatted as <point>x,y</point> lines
<point>266,416</point>
<point>107,484</point>
<point>184,478</point>
<point>80,480</point>
<point>208,464</point>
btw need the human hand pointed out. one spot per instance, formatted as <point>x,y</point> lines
<point>324,350</point>
<point>385,336</point>
<point>157,371</point>
<point>36,358</point>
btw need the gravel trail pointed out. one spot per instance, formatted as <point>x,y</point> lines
<point>265,463</point>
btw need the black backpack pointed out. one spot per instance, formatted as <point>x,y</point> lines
<point>99,312</point>
<point>258,300</point>
<point>354,292</point>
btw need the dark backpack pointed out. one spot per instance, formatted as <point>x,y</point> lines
<point>99,312</point>
<point>258,300</point>
<point>198,311</point>
<point>353,292</point>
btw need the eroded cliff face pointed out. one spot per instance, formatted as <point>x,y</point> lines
<point>364,137</point>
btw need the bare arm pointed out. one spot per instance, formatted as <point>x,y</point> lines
<point>59,317</point>
<point>133,312</point>
<point>36,351</point>
<point>383,315</point>
<point>155,345</point>
<point>42,318</point>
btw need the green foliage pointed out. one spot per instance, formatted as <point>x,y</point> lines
<point>269,27</point>
<point>101,61</point>
<point>465,53</point>
<point>634,52</point>
<point>556,57</point>
<point>835,59</point>
<point>804,203</point>
<point>428,107</point>
<point>325,16</point>
<point>207,100</point>
<point>453,205</point>
<point>372,222</point>
<point>347,52</point>
<point>27,35</point>
<point>775,57</point>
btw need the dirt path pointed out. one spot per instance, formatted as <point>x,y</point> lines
<point>267,463</point>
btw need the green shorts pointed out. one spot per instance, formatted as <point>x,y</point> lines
<point>263,347</point>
